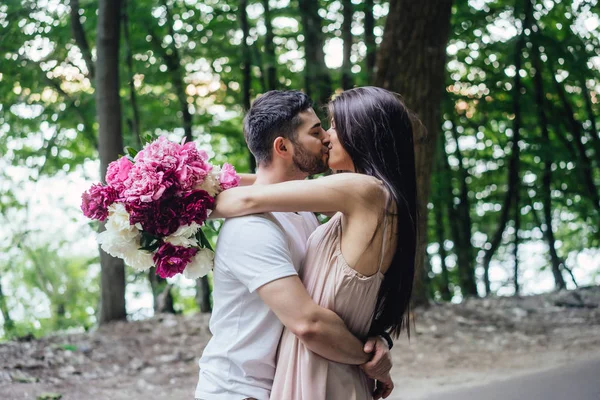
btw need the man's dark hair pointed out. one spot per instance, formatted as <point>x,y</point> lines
<point>273,114</point>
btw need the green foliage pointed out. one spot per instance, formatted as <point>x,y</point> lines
<point>186,54</point>
<point>67,285</point>
<point>479,105</point>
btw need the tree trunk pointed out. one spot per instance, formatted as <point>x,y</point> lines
<point>546,191</point>
<point>110,144</point>
<point>439,222</point>
<point>270,60</point>
<point>246,68</point>
<point>173,63</point>
<point>412,61</point>
<point>135,121</point>
<point>203,295</point>
<point>370,39</point>
<point>161,293</point>
<point>9,324</point>
<point>594,128</point>
<point>80,39</point>
<point>348,12</point>
<point>317,79</point>
<point>577,131</point>
<point>511,197</point>
<point>464,248</point>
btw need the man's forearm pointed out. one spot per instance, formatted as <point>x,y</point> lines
<point>327,335</point>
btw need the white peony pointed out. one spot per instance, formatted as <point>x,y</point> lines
<point>122,240</point>
<point>140,260</point>
<point>200,265</point>
<point>184,236</point>
<point>211,182</point>
<point>118,221</point>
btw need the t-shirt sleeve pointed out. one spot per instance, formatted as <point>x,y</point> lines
<point>255,250</point>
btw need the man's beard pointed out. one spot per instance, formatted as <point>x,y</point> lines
<point>308,163</point>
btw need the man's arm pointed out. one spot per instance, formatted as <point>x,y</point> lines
<point>320,329</point>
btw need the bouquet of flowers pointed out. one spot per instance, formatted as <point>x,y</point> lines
<point>154,203</point>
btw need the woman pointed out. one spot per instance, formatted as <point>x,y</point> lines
<point>361,263</point>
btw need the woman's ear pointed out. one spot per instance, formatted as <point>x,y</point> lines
<point>281,147</point>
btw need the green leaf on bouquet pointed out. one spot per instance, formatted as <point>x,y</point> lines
<point>130,151</point>
<point>148,137</point>
<point>201,237</point>
<point>149,242</point>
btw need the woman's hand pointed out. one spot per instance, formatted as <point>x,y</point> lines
<point>383,388</point>
<point>381,360</point>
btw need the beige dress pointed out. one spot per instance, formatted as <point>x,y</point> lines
<point>333,284</point>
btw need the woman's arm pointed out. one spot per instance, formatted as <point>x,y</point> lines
<point>247,179</point>
<point>342,192</point>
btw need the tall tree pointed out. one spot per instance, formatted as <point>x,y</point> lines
<point>440,199</point>
<point>317,81</point>
<point>575,128</point>
<point>517,122</point>
<point>348,12</point>
<point>370,39</point>
<point>594,132</point>
<point>511,198</point>
<point>462,237</point>
<point>412,61</point>
<point>172,59</point>
<point>547,160</point>
<point>134,122</point>
<point>246,67</point>
<point>110,143</point>
<point>270,60</point>
<point>8,322</point>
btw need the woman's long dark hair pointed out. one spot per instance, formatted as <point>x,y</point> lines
<point>376,130</point>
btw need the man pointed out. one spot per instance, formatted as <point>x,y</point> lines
<point>256,289</point>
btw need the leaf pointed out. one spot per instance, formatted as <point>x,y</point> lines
<point>69,347</point>
<point>131,152</point>
<point>201,237</point>
<point>149,242</point>
<point>148,137</point>
<point>49,396</point>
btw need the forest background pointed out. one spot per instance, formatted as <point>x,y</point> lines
<point>508,91</point>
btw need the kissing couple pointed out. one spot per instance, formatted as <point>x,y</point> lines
<point>304,310</point>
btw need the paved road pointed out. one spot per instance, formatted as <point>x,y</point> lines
<point>579,381</point>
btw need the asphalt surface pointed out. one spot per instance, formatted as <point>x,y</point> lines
<point>578,381</point>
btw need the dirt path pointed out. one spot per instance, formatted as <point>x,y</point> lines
<point>452,346</point>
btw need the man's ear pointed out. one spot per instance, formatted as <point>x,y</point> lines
<point>281,147</point>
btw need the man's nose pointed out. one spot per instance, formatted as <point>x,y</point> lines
<point>326,138</point>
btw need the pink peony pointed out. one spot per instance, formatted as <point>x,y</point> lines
<point>228,178</point>
<point>117,173</point>
<point>145,185</point>
<point>171,260</point>
<point>95,202</point>
<point>194,207</point>
<point>194,168</point>
<point>178,166</point>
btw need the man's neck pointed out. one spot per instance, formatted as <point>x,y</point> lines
<point>274,174</point>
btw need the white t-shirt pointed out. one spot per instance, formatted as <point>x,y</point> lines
<point>239,360</point>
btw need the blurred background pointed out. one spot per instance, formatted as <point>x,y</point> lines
<point>508,91</point>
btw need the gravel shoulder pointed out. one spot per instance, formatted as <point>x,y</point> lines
<point>451,346</point>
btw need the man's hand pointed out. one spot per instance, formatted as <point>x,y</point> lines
<point>381,362</point>
<point>383,388</point>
